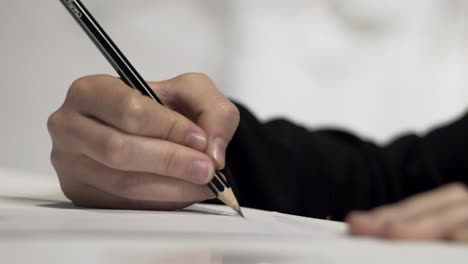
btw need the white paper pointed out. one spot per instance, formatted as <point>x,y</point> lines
<point>38,225</point>
<point>62,219</point>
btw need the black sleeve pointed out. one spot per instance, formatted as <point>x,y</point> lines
<point>283,167</point>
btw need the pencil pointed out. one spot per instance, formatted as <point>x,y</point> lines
<point>132,78</point>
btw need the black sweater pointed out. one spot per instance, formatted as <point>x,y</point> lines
<point>279,166</point>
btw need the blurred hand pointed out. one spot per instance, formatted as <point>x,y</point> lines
<point>115,148</point>
<point>439,214</point>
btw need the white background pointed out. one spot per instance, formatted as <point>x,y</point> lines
<point>378,68</point>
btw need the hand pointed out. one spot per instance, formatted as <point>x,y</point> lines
<point>115,148</point>
<point>439,214</point>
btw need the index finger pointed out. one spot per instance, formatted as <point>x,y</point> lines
<point>111,101</point>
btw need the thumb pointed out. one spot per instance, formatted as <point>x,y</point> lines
<point>196,97</point>
<point>220,124</point>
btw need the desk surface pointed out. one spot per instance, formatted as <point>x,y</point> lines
<point>38,225</point>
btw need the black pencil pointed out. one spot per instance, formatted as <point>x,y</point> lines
<point>132,78</point>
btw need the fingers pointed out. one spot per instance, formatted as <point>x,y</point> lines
<point>426,203</point>
<point>220,125</point>
<point>433,215</point>
<point>85,195</point>
<point>112,185</point>
<point>117,150</point>
<point>436,225</point>
<point>196,97</point>
<point>111,101</point>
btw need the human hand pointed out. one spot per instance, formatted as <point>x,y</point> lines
<point>438,214</point>
<point>115,148</point>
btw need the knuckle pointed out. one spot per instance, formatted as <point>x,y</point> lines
<point>85,85</point>
<point>458,189</point>
<point>175,125</point>
<point>93,80</point>
<point>55,122</point>
<point>170,161</point>
<point>79,87</point>
<point>80,82</point>
<point>133,113</point>
<point>195,76</point>
<point>229,110</point>
<point>54,159</point>
<point>100,78</point>
<point>113,150</point>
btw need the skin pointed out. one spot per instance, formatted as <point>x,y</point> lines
<point>438,214</point>
<point>114,148</point>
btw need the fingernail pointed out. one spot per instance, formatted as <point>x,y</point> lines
<point>219,150</point>
<point>196,141</point>
<point>202,171</point>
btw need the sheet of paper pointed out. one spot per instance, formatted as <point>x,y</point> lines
<point>38,225</point>
<point>47,219</point>
<point>55,216</point>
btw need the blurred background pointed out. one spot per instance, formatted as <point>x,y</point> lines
<point>377,68</point>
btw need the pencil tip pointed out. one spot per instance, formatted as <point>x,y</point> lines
<point>228,198</point>
<point>240,213</point>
